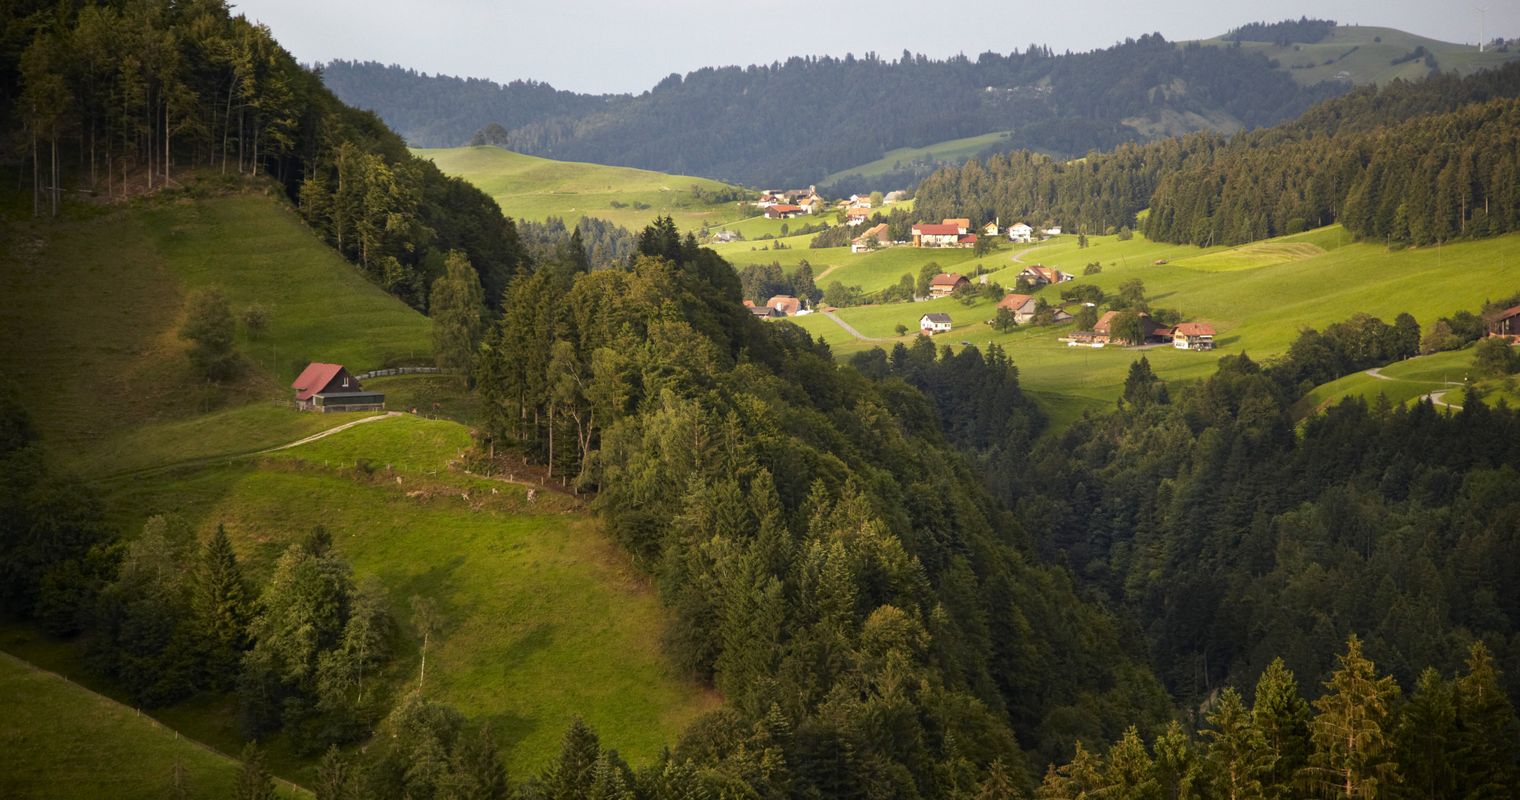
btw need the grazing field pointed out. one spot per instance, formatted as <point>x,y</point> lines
<point>66,742</point>
<point>533,188</point>
<point>101,376</point>
<point>955,150</point>
<point>1405,381</point>
<point>1258,310</point>
<point>1365,54</point>
<point>545,617</point>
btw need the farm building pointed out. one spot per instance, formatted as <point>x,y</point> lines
<point>857,216</point>
<point>930,235</point>
<point>783,211</point>
<point>945,284</point>
<point>875,237</point>
<point>1505,323</point>
<point>1151,331</point>
<point>1019,232</point>
<point>329,387</point>
<point>1039,275</point>
<point>785,305</point>
<point>764,312</point>
<point>1022,306</point>
<point>962,225</point>
<point>1193,336</point>
<point>930,324</point>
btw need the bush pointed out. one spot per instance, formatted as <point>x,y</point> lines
<point>210,329</point>
<point>1495,358</point>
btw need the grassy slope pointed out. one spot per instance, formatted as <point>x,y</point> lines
<point>1257,309</point>
<point>529,187</point>
<point>100,381</point>
<point>1371,61</point>
<point>546,619</point>
<point>126,756</point>
<point>949,150</point>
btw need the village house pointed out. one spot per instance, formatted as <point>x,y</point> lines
<point>860,201</point>
<point>962,225</point>
<point>990,229</point>
<point>943,235</point>
<point>1040,275</point>
<point>783,212</point>
<point>1505,323</point>
<point>1019,232</point>
<point>1022,306</point>
<point>785,304</point>
<point>857,216</point>
<point>763,312</point>
<point>1193,336</point>
<point>725,236</point>
<point>930,324</point>
<point>329,387</point>
<point>1151,331</point>
<point>945,284</point>
<point>875,237</point>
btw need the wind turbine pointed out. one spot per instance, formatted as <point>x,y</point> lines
<point>1482,26</point>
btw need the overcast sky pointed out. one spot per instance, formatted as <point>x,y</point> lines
<point>629,45</point>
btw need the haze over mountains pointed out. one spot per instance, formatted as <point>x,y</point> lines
<point>795,122</point>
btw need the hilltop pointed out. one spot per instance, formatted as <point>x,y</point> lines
<point>1365,54</point>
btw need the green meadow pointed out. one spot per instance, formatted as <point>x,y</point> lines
<point>67,742</point>
<point>950,150</point>
<point>1259,297</point>
<point>533,188</point>
<point>1365,54</point>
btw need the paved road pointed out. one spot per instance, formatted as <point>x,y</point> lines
<point>1436,398</point>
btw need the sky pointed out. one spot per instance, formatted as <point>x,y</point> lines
<point>629,45</point>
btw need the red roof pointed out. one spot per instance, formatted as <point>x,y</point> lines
<point>930,229</point>
<point>1014,302</point>
<point>966,238</point>
<point>1193,329</point>
<point>785,209</point>
<point>314,379</point>
<point>1507,313</point>
<point>948,279</point>
<point>858,212</point>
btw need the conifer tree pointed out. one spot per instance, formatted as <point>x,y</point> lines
<point>571,775</point>
<point>1282,716</point>
<point>221,610</point>
<point>1424,737</point>
<point>254,782</point>
<point>1082,777</point>
<point>334,777</point>
<point>1238,755</point>
<point>476,772</point>
<point>1351,731</point>
<point>1487,737</point>
<point>1127,772</point>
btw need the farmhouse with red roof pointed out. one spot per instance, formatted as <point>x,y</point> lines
<point>329,387</point>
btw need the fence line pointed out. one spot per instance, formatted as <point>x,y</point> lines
<point>138,712</point>
<point>381,373</point>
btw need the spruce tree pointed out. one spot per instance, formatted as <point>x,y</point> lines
<point>1282,716</point>
<point>1487,736</point>
<point>334,777</point>
<point>1424,737</point>
<point>254,782</point>
<point>1238,756</point>
<point>1353,749</point>
<point>221,610</point>
<point>476,772</point>
<point>570,776</point>
<point>1128,773</point>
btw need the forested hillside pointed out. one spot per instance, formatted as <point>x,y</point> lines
<point>722,122</point>
<point>113,100</point>
<point>1410,162</point>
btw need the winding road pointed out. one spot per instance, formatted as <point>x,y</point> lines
<point>1436,398</point>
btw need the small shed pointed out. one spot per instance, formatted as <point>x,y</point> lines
<point>329,387</point>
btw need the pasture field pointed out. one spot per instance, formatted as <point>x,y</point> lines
<point>125,754</point>
<point>1257,309</point>
<point>956,150</point>
<point>533,188</point>
<point>100,377</point>
<point>1365,54</point>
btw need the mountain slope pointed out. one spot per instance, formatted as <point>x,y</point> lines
<point>1363,54</point>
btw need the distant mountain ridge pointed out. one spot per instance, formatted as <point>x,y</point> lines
<point>797,121</point>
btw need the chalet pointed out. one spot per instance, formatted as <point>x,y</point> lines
<point>945,284</point>
<point>1019,232</point>
<point>930,324</point>
<point>930,235</point>
<point>990,229</point>
<point>726,236</point>
<point>781,211</point>
<point>1039,275</point>
<point>1193,336</point>
<point>329,387</point>
<point>857,216</point>
<point>962,225</point>
<point>1151,331</point>
<point>875,237</point>
<point>859,201</point>
<point>785,305</point>
<point>1505,323</point>
<point>1022,306</point>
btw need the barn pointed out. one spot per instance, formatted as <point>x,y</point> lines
<point>329,387</point>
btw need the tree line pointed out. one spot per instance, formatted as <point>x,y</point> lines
<point>859,108</point>
<point>115,99</point>
<point>1414,163</point>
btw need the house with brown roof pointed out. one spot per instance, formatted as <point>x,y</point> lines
<point>857,216</point>
<point>1505,323</point>
<point>1151,331</point>
<point>875,237</point>
<point>1022,306</point>
<point>785,304</point>
<point>784,211</point>
<point>962,225</point>
<point>1193,336</point>
<point>945,284</point>
<point>926,234</point>
<point>329,387</point>
<point>1040,275</point>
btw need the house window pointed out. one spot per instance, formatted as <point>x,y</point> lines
<point>345,382</point>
